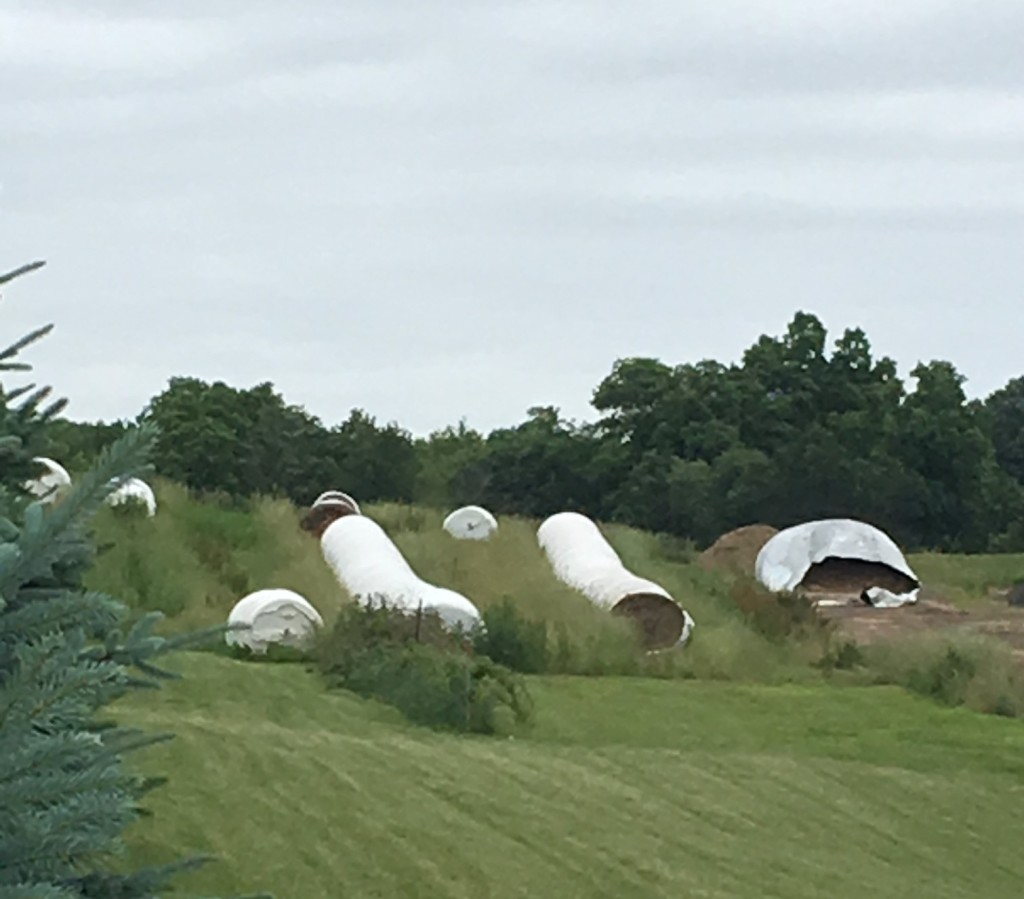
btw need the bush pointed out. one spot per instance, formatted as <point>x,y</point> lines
<point>512,640</point>
<point>777,616</point>
<point>970,671</point>
<point>430,674</point>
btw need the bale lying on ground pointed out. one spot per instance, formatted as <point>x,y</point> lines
<point>52,483</point>
<point>584,560</point>
<point>374,572</point>
<point>274,616</point>
<point>326,508</point>
<point>840,556</point>
<point>470,523</point>
<point>134,490</point>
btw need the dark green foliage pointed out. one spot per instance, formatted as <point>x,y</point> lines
<point>429,674</point>
<point>66,796</point>
<point>798,430</point>
<point>512,640</point>
<point>243,442</point>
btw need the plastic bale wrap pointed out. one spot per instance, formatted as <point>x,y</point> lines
<point>374,571</point>
<point>471,523</point>
<point>838,555</point>
<point>134,490</point>
<point>274,616</point>
<point>326,508</point>
<point>584,560</point>
<point>336,495</point>
<point>52,483</point>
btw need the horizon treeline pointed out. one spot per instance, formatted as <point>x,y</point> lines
<point>799,429</point>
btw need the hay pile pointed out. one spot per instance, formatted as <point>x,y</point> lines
<point>736,552</point>
<point>851,577</point>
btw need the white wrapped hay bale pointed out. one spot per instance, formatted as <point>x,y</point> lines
<point>471,523</point>
<point>838,555</point>
<point>52,483</point>
<point>134,490</point>
<point>374,571</point>
<point>336,497</point>
<point>326,508</point>
<point>274,616</point>
<point>583,559</point>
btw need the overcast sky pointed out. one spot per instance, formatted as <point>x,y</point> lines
<point>447,209</point>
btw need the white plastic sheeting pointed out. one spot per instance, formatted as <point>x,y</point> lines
<point>134,490</point>
<point>784,560</point>
<point>335,498</point>
<point>584,560</point>
<point>52,484</point>
<point>274,616</point>
<point>471,523</point>
<point>374,571</point>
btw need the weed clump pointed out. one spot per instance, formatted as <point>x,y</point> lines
<point>955,671</point>
<point>428,673</point>
<point>513,640</point>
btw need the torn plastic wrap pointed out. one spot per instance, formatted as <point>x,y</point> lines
<point>885,579</point>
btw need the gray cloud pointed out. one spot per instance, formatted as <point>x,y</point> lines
<point>436,211</point>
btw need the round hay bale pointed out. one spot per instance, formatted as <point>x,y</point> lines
<point>736,551</point>
<point>585,561</point>
<point>273,616</point>
<point>471,523</point>
<point>52,483</point>
<point>327,509</point>
<point>134,490</point>
<point>331,495</point>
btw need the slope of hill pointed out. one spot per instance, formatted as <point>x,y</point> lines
<point>745,775</point>
<point>626,787</point>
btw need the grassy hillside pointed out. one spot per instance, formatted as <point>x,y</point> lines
<point>746,774</point>
<point>626,788</point>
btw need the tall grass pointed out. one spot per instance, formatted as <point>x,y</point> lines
<point>966,580</point>
<point>196,558</point>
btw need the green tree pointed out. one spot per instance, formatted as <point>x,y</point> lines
<point>1005,410</point>
<point>66,795</point>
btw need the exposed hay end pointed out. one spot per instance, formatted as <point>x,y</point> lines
<point>658,619</point>
<point>853,576</point>
<point>323,515</point>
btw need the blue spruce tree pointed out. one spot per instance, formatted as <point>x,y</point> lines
<point>66,795</point>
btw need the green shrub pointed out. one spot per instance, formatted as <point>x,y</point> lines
<point>512,640</point>
<point>975,672</point>
<point>777,616</point>
<point>430,674</point>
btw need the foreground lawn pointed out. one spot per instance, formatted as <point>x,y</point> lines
<point>625,787</point>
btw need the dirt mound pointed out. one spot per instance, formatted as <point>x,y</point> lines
<point>736,552</point>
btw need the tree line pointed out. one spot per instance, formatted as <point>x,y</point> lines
<point>797,430</point>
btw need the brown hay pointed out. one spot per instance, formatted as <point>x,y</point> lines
<point>736,552</point>
<point>851,577</point>
<point>320,517</point>
<point>659,621</point>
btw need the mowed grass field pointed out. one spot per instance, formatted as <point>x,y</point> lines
<point>740,770</point>
<point>626,787</point>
